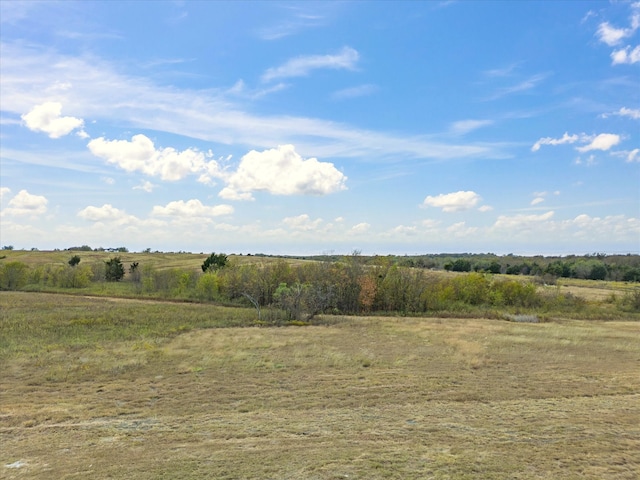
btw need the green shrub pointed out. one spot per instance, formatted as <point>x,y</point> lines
<point>114,270</point>
<point>13,275</point>
<point>207,287</point>
<point>514,293</point>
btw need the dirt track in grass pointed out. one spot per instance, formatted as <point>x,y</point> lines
<point>362,398</point>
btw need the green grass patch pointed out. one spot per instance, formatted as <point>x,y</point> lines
<point>32,322</point>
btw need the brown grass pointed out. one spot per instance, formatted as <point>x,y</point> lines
<point>365,398</point>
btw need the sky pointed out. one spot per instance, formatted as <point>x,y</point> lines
<point>305,128</point>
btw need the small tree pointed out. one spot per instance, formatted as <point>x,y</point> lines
<point>114,270</point>
<point>75,260</point>
<point>215,261</point>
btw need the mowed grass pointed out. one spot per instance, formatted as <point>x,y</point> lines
<point>99,388</point>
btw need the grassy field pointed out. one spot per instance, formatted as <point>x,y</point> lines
<point>159,260</point>
<point>104,388</point>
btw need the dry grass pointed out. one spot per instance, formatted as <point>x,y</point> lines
<point>361,398</point>
<point>160,260</point>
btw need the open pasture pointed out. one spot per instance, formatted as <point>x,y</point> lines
<point>103,388</point>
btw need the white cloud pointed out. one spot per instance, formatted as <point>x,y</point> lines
<point>523,86</point>
<point>590,161</point>
<point>613,36</point>
<point>485,208</point>
<point>4,191</point>
<point>146,185</point>
<point>105,213</point>
<point>101,91</point>
<point>301,66</point>
<point>360,228</point>
<point>47,118</point>
<point>239,89</point>
<point>453,202</point>
<point>230,194</point>
<point>108,180</point>
<point>191,208</point>
<point>281,171</point>
<point>566,138</point>
<point>353,92</point>
<point>25,204</point>
<point>465,126</point>
<point>633,155</point>
<point>604,141</point>
<point>537,200</point>
<point>404,230</point>
<point>140,155</point>
<point>430,223</point>
<point>625,55</point>
<point>633,113</point>
<point>296,17</point>
<point>460,229</point>
<point>518,222</point>
<point>302,222</point>
<point>617,226</point>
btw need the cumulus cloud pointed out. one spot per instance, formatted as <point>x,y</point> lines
<point>48,118</point>
<point>229,193</point>
<point>604,141</point>
<point>4,191</point>
<point>453,202</point>
<point>282,171</point>
<point>360,228</point>
<point>517,222</point>
<point>613,36</point>
<point>460,229</point>
<point>191,208</point>
<point>404,230</point>
<point>616,226</point>
<point>105,213</point>
<point>625,55</point>
<point>302,222</point>
<point>633,113</point>
<point>301,66</point>
<point>24,204</point>
<point>566,138</point>
<point>146,185</point>
<point>540,197</point>
<point>140,155</point>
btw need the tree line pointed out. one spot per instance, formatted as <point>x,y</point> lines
<point>300,291</point>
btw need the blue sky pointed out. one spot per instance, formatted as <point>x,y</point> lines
<point>307,128</point>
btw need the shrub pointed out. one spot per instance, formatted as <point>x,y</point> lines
<point>207,286</point>
<point>514,293</point>
<point>472,288</point>
<point>215,261</point>
<point>74,277</point>
<point>13,275</point>
<point>631,301</point>
<point>114,270</point>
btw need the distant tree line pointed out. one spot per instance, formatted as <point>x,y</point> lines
<point>351,284</point>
